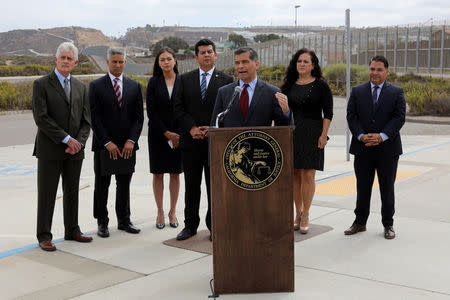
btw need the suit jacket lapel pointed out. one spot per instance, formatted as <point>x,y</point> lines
<point>174,87</point>
<point>196,83</point>
<point>256,96</point>
<point>125,85</point>
<point>57,85</point>
<point>110,88</point>
<point>212,84</point>
<point>381,96</point>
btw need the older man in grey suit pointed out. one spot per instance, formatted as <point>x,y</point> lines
<point>258,104</point>
<point>62,115</point>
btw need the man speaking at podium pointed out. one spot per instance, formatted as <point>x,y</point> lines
<point>250,101</point>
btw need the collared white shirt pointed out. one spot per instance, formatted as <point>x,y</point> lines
<point>208,77</point>
<point>112,77</point>
<point>250,89</point>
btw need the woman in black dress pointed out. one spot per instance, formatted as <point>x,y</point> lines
<point>163,133</point>
<point>311,102</point>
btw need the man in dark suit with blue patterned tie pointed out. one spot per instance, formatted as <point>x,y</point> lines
<point>193,106</point>
<point>375,114</point>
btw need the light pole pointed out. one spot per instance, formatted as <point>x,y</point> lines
<point>296,6</point>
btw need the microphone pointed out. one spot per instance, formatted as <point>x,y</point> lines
<point>220,116</point>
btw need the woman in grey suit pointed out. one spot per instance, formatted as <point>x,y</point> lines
<point>163,134</point>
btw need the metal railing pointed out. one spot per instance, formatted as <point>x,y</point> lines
<point>417,49</point>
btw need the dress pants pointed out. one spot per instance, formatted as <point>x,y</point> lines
<point>386,167</point>
<point>195,161</point>
<point>101,189</point>
<point>48,175</point>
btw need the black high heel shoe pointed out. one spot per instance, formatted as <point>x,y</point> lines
<point>174,224</point>
<point>160,225</point>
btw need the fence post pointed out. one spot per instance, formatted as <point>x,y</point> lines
<point>335,48</point>
<point>429,48</point>
<point>343,47</point>
<point>406,51</point>
<point>328,49</point>
<point>376,42</point>
<point>367,48</point>
<point>385,42</point>
<point>417,49</point>
<point>395,48</point>
<point>359,47</point>
<point>321,50</point>
<point>442,50</point>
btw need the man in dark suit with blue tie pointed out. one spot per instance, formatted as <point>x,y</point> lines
<point>375,114</point>
<point>258,103</point>
<point>193,106</point>
<point>117,119</point>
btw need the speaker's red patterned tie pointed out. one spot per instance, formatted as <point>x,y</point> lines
<point>243,101</point>
<point>117,90</point>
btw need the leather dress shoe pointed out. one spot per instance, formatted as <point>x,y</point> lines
<point>130,228</point>
<point>79,237</point>
<point>185,234</point>
<point>389,232</point>
<point>103,231</point>
<point>47,245</point>
<point>355,228</point>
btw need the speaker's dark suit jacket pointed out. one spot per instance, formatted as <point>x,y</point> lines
<point>264,107</point>
<point>56,116</point>
<point>386,116</point>
<point>190,110</point>
<point>115,123</point>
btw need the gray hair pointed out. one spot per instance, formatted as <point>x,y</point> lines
<point>67,47</point>
<point>116,50</point>
<point>253,53</point>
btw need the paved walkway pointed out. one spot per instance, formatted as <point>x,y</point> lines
<point>415,265</point>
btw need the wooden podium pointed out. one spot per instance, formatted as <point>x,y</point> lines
<point>252,209</point>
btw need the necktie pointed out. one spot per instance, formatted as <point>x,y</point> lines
<point>243,101</point>
<point>117,90</point>
<point>67,88</point>
<point>374,94</point>
<point>203,85</point>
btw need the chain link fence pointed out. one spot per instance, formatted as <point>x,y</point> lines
<point>418,49</point>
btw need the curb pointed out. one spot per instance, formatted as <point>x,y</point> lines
<point>444,121</point>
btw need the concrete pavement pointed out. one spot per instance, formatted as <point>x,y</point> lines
<point>415,265</point>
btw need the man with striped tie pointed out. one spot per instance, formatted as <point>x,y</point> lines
<point>117,119</point>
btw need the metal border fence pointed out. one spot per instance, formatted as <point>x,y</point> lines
<point>418,49</point>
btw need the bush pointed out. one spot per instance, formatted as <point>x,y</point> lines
<point>8,95</point>
<point>338,73</point>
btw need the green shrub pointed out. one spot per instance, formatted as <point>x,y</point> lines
<point>338,73</point>
<point>8,95</point>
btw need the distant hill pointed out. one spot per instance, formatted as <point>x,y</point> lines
<point>45,41</point>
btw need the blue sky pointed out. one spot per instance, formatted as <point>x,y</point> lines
<point>114,17</point>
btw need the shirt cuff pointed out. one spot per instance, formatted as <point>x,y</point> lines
<point>359,136</point>
<point>131,141</point>
<point>66,139</point>
<point>384,136</point>
<point>107,143</point>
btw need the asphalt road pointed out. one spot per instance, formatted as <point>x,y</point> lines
<point>20,129</point>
